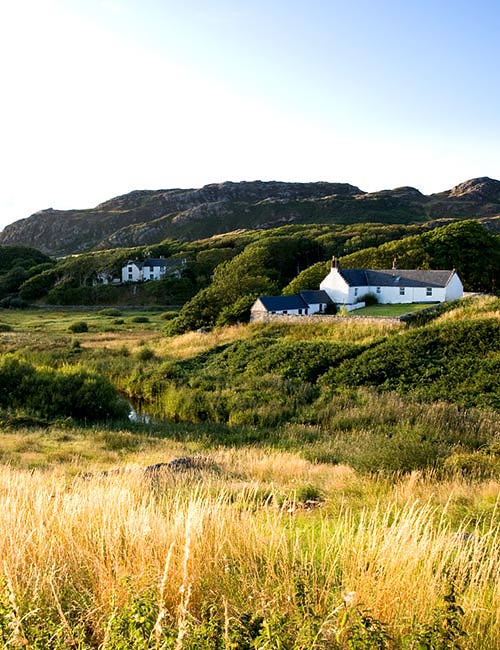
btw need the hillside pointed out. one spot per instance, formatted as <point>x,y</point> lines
<point>145,217</point>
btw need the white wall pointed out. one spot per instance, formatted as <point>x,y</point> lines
<point>131,273</point>
<point>153,272</point>
<point>454,288</point>
<point>336,287</point>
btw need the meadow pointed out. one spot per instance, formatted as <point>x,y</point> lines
<point>359,519</point>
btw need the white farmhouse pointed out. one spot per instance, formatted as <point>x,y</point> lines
<point>153,269</point>
<point>349,286</point>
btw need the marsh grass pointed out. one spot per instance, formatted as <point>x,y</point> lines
<point>117,561</point>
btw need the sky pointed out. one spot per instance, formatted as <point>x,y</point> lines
<point>102,97</point>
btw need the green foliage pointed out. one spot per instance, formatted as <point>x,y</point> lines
<point>445,632</point>
<point>369,299</point>
<point>238,312</point>
<point>465,246</point>
<point>263,267</point>
<point>145,354</point>
<point>20,256</point>
<point>70,391</point>
<point>38,285</point>
<point>457,361</point>
<point>308,279</point>
<point>79,327</point>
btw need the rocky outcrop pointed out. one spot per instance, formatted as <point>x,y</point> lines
<point>145,217</point>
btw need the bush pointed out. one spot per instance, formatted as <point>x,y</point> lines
<point>145,354</point>
<point>4,327</point>
<point>369,299</point>
<point>140,319</point>
<point>110,312</point>
<point>78,327</point>
<point>48,393</point>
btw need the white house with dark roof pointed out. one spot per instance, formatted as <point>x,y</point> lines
<point>278,305</point>
<point>349,286</point>
<point>306,302</point>
<point>152,269</point>
<point>317,300</point>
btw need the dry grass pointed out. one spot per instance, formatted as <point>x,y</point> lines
<point>190,344</point>
<point>93,544</point>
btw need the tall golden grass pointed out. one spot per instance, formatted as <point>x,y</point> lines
<point>241,539</point>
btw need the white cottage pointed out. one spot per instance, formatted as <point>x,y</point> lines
<point>348,286</point>
<point>265,305</point>
<point>153,269</point>
<point>132,271</point>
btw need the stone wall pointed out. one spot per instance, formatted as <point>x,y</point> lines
<point>262,317</point>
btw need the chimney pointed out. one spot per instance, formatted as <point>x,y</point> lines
<point>335,263</point>
<point>394,263</point>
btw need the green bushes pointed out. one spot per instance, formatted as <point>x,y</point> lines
<point>70,391</point>
<point>456,361</point>
<point>78,327</point>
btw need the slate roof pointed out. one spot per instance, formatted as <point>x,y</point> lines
<point>396,278</point>
<point>283,303</point>
<point>315,297</point>
<point>151,261</point>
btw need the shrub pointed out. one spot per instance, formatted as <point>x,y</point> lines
<point>145,354</point>
<point>140,319</point>
<point>4,327</point>
<point>369,299</point>
<point>110,312</point>
<point>78,327</point>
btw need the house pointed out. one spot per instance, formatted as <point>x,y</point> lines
<point>306,302</point>
<point>348,286</point>
<point>132,271</point>
<point>152,269</point>
<point>105,277</point>
<point>317,301</point>
<point>278,305</point>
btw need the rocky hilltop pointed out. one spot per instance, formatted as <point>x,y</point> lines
<point>149,216</point>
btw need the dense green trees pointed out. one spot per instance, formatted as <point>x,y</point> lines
<point>17,265</point>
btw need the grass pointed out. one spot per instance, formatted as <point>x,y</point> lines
<point>274,545</point>
<point>116,559</point>
<point>390,310</point>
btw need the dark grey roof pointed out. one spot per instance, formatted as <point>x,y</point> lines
<point>152,261</point>
<point>315,297</point>
<point>282,303</point>
<point>396,278</point>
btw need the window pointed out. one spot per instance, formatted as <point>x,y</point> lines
<point>378,289</point>
<point>130,275</point>
<point>300,312</point>
<point>356,291</point>
<point>401,291</point>
<point>428,291</point>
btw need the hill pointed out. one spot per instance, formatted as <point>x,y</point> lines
<point>146,217</point>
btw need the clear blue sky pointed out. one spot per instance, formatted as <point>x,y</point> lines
<point>100,97</point>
